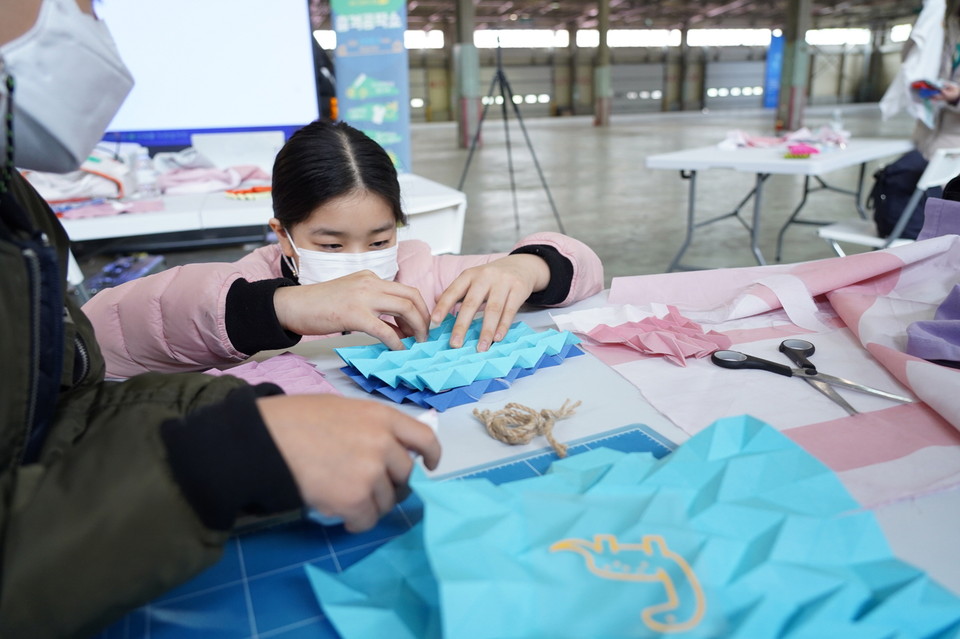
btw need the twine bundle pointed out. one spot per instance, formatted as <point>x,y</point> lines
<point>518,424</point>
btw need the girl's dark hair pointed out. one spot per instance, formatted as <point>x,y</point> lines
<point>326,160</point>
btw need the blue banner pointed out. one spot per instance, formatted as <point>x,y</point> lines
<point>373,88</point>
<point>771,81</point>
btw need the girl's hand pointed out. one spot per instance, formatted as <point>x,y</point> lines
<point>354,302</point>
<point>500,287</point>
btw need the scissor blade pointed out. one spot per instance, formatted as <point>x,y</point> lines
<point>846,383</point>
<point>832,394</point>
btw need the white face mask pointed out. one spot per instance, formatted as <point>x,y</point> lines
<point>319,266</point>
<point>69,83</point>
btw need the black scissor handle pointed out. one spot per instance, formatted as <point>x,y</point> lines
<point>798,350</point>
<point>738,360</point>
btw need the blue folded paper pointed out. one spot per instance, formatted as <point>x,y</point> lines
<point>738,533</point>
<point>431,374</point>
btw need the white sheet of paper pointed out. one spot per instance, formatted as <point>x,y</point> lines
<point>693,397</point>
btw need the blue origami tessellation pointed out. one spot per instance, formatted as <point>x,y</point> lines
<point>739,533</point>
<point>431,374</point>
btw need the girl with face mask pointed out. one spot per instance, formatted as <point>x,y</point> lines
<point>338,266</point>
<point>336,204</point>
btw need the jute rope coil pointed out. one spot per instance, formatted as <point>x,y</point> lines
<point>518,424</point>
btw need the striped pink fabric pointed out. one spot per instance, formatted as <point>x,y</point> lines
<point>885,454</point>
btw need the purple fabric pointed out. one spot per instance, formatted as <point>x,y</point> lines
<point>941,217</point>
<point>939,338</point>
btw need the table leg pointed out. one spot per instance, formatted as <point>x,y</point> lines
<point>821,186</point>
<point>755,226</point>
<point>793,216</point>
<point>691,222</point>
<point>859,194</point>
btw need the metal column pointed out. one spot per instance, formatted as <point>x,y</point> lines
<point>796,66</point>
<point>466,72</point>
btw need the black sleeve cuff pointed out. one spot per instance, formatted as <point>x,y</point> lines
<point>952,190</point>
<point>251,318</point>
<point>561,274</point>
<point>226,463</point>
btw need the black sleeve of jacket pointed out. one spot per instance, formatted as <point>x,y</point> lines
<point>226,463</point>
<point>251,318</point>
<point>561,274</point>
<point>952,190</point>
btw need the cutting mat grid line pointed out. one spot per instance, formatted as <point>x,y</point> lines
<point>258,590</point>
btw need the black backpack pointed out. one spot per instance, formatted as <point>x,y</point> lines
<point>893,185</point>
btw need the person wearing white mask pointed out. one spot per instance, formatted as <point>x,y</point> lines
<point>68,53</point>
<point>112,493</point>
<point>338,266</point>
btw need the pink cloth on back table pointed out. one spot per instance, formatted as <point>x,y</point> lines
<point>180,181</point>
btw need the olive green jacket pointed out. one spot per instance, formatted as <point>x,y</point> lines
<point>97,524</point>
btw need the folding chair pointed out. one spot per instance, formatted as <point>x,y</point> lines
<point>943,167</point>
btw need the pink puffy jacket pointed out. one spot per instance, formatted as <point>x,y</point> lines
<point>157,324</point>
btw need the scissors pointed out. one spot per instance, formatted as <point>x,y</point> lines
<point>799,350</point>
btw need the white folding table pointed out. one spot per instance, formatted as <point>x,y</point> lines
<point>435,214</point>
<point>765,162</point>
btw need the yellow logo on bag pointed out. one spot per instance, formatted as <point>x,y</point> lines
<point>649,561</point>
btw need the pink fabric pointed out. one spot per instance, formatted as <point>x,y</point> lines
<point>839,443</point>
<point>721,287</point>
<point>882,455</point>
<point>181,181</point>
<point>174,320</point>
<point>877,295</point>
<point>826,135</point>
<point>801,149</point>
<point>291,372</point>
<point>113,208</point>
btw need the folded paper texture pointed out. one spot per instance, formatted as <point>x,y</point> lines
<point>456,396</point>
<point>673,336</point>
<point>738,533</point>
<point>435,366</point>
<point>432,374</point>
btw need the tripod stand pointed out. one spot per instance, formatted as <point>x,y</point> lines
<point>506,94</point>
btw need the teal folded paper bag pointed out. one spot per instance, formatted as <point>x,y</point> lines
<point>738,533</point>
